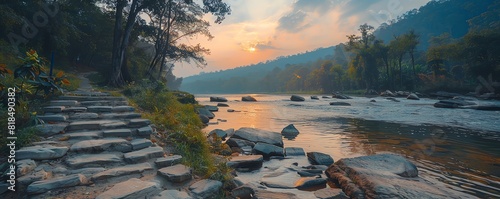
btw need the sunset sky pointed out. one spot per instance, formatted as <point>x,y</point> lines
<point>258,30</point>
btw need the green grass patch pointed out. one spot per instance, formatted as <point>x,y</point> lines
<point>178,123</point>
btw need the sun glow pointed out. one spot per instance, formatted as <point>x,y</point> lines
<point>252,49</point>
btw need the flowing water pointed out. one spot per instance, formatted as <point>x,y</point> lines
<point>456,148</point>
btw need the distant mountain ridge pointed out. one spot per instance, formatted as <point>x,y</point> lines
<point>259,70</point>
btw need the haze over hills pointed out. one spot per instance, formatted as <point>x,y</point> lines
<point>449,19</point>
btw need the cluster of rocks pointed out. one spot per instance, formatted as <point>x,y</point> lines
<point>95,146</point>
<point>251,148</point>
<point>408,95</point>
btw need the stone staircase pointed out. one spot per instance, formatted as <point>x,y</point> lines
<point>96,146</point>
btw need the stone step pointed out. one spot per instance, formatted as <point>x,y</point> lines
<point>143,154</point>
<point>131,189</point>
<point>117,133</point>
<point>74,109</point>
<point>126,115</point>
<point>99,109</point>
<point>168,161</point>
<point>56,183</point>
<point>140,143</point>
<point>88,93</point>
<point>53,109</point>
<point>177,173</point>
<point>205,188</point>
<point>87,160</point>
<point>124,170</point>
<point>84,116</point>
<point>63,103</point>
<point>90,125</point>
<point>52,118</point>
<point>86,135</point>
<point>41,152</point>
<point>135,123</point>
<point>106,144</point>
<point>91,98</point>
<point>172,194</point>
<point>103,103</point>
<point>145,131</point>
<point>119,109</point>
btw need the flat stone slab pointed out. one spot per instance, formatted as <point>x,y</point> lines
<point>205,188</point>
<point>25,166</point>
<point>143,154</point>
<point>168,161</point>
<point>320,158</point>
<point>79,116</point>
<point>117,133</point>
<point>140,143</point>
<point>56,183</point>
<point>52,118</point>
<point>385,176</point>
<point>63,103</point>
<point>89,135</point>
<point>113,125</point>
<point>145,131</point>
<point>258,135</point>
<point>138,123</point>
<point>50,129</point>
<point>123,109</point>
<point>92,160</point>
<point>177,173</point>
<point>74,109</point>
<point>130,189</point>
<point>126,115</point>
<point>294,151</point>
<point>53,109</point>
<point>267,150</point>
<point>89,125</point>
<point>124,170</point>
<point>330,193</point>
<point>104,103</point>
<point>41,152</point>
<point>106,144</point>
<point>90,98</point>
<point>33,177</point>
<point>87,172</point>
<point>250,162</point>
<point>172,194</point>
<point>99,109</point>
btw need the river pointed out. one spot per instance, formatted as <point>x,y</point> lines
<point>456,148</point>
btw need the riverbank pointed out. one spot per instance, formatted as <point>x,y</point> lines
<point>446,152</point>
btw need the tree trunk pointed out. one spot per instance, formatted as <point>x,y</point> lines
<point>116,77</point>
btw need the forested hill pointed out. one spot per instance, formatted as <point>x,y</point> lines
<point>440,46</point>
<point>436,18</point>
<point>257,71</point>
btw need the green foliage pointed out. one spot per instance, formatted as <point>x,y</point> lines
<point>176,122</point>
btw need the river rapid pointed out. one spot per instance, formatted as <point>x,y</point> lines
<point>455,148</point>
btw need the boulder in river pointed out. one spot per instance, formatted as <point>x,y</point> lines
<point>325,97</point>
<point>387,93</point>
<point>204,119</point>
<point>384,176</point>
<point>290,132</point>
<point>319,158</point>
<point>340,104</point>
<point>219,133</point>
<point>258,135</point>
<point>205,112</point>
<point>240,143</point>
<point>218,99</point>
<point>297,98</point>
<point>392,99</point>
<point>413,96</point>
<point>443,94</point>
<point>222,105</point>
<point>267,150</point>
<point>308,183</point>
<point>248,99</point>
<point>452,103</point>
<point>212,108</point>
<point>246,162</point>
<point>314,98</point>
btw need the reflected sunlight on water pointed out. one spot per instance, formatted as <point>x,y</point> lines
<point>435,139</point>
